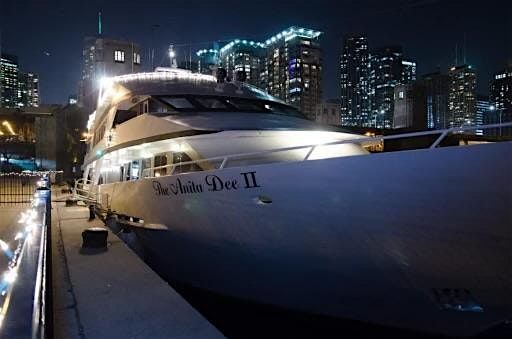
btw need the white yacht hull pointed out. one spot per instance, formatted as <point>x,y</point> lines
<point>400,239</point>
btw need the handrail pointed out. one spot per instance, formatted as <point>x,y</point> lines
<point>80,192</point>
<point>360,140</point>
<point>26,285</point>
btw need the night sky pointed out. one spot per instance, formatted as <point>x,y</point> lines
<point>47,36</point>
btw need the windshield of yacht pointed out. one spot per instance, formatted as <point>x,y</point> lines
<point>202,103</point>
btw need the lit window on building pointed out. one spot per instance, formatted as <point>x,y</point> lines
<point>119,56</point>
<point>136,58</point>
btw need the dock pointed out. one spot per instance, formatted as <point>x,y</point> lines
<point>112,293</point>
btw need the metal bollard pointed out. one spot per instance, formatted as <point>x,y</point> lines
<point>92,215</point>
<point>94,237</point>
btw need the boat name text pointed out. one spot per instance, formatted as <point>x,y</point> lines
<point>212,183</point>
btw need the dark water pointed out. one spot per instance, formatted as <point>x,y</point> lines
<point>239,319</point>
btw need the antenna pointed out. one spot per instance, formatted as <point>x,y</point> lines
<point>99,23</point>
<point>456,54</point>
<point>464,50</point>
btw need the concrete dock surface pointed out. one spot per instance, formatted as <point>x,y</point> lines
<point>112,293</point>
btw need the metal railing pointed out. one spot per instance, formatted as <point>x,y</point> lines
<point>26,285</point>
<point>223,160</point>
<point>85,190</point>
<point>17,188</point>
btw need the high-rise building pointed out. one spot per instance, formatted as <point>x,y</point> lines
<point>501,101</point>
<point>28,90</point>
<point>293,68</point>
<point>462,96</point>
<point>408,71</point>
<point>482,110</point>
<point>355,82</point>
<point>208,60</point>
<point>328,112</point>
<point>104,57</point>
<point>410,106</point>
<point>436,91</point>
<point>244,56</point>
<point>387,70</point>
<point>9,73</point>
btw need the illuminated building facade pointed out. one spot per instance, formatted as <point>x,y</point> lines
<point>293,68</point>
<point>17,89</point>
<point>482,110</point>
<point>28,90</point>
<point>208,60</point>
<point>436,91</point>
<point>387,70</point>
<point>104,58</point>
<point>355,82</point>
<point>462,96</point>
<point>244,56</point>
<point>501,101</point>
<point>9,73</point>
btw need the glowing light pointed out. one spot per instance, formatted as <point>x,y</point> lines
<point>4,246</point>
<point>18,236</point>
<point>8,126</point>
<point>90,121</point>
<point>10,276</point>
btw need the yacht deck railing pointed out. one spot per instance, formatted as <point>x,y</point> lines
<point>223,160</point>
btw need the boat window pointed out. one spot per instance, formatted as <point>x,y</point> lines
<point>247,105</point>
<point>134,170</point>
<point>156,106</point>
<point>197,103</point>
<point>123,115</point>
<point>146,165</point>
<point>160,160</point>
<point>178,102</point>
<point>211,103</point>
<point>178,157</point>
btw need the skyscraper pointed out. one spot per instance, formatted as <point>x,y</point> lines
<point>387,70</point>
<point>501,100</point>
<point>244,56</point>
<point>410,106</point>
<point>355,82</point>
<point>408,71</point>
<point>462,96</point>
<point>482,110</point>
<point>436,90</point>
<point>28,90</point>
<point>104,58</point>
<point>9,73</point>
<point>293,68</point>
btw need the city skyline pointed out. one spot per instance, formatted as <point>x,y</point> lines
<point>406,23</point>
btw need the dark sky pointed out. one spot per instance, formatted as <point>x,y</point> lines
<point>428,30</point>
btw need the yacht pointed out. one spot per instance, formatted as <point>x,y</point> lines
<point>234,191</point>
